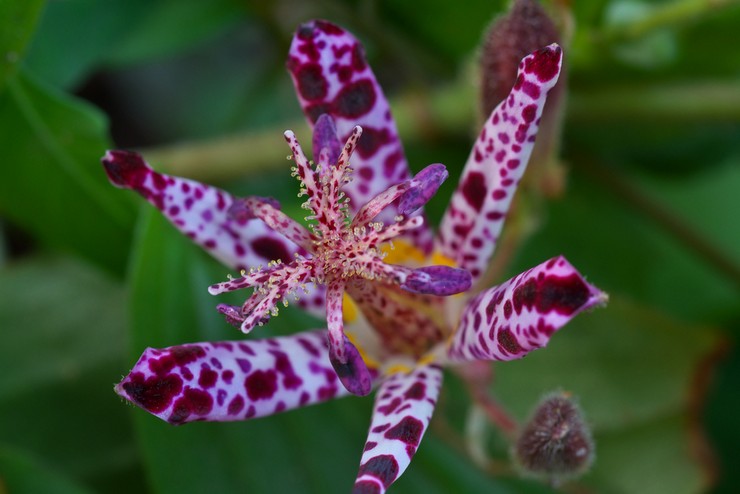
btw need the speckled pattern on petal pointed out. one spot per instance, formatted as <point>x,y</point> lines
<point>232,380</point>
<point>509,321</point>
<point>331,76</point>
<point>403,408</point>
<point>471,226</point>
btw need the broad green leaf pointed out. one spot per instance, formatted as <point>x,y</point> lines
<point>650,458</point>
<point>62,348</point>
<point>632,370</point>
<point>119,31</point>
<point>17,22</point>
<point>21,474</point>
<point>51,180</point>
<point>720,417</point>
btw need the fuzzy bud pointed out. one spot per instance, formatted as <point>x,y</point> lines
<point>524,29</point>
<point>556,442</point>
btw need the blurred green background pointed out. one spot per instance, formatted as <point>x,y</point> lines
<point>90,276</point>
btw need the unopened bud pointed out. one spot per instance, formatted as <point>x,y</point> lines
<point>556,443</point>
<point>524,29</point>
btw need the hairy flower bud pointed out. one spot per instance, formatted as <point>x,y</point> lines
<point>556,442</point>
<point>524,29</point>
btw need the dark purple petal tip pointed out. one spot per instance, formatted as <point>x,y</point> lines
<point>232,314</point>
<point>325,137</point>
<point>354,374</point>
<point>438,280</point>
<point>125,169</point>
<point>241,212</point>
<point>423,187</point>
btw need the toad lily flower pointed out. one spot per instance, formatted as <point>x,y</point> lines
<point>395,296</point>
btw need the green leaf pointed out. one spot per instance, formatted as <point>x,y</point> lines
<point>120,31</point>
<point>623,250</point>
<point>631,369</point>
<point>20,474</point>
<point>650,458</point>
<point>62,348</point>
<point>51,181</point>
<point>17,23</point>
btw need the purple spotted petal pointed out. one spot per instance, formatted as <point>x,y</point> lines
<point>200,212</point>
<point>233,380</point>
<point>509,321</point>
<point>331,76</point>
<point>205,215</point>
<point>403,407</point>
<point>474,218</point>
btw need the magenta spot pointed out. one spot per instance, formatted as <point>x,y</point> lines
<point>369,445</point>
<point>512,164</point>
<point>380,428</point>
<point>417,391</point>
<point>284,367</point>
<point>159,181</point>
<point>529,113</point>
<point>544,64</point>
<point>474,189</point>
<point>564,295</point>
<point>507,309</point>
<point>125,168</point>
<point>209,244</point>
<point>408,430</point>
<point>244,364</point>
<point>531,89</point>
<point>507,341</point>
<point>174,210</point>
<point>391,163</point>
<point>311,82</point>
<point>382,467</point>
<point>185,354</point>
<point>271,249</point>
<point>388,408</point>
<point>371,140</point>
<point>315,111</point>
<point>201,403</point>
<point>207,378</point>
<point>195,402</point>
<point>153,394</point>
<point>356,99</point>
<point>261,385</point>
<point>366,487</point>
<point>329,28</point>
<point>358,58</point>
<point>308,346</point>
<point>227,376</point>
<point>236,405</point>
<point>498,194</point>
<point>221,397</point>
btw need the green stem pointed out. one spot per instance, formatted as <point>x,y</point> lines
<point>667,15</point>
<point>450,111</point>
<point>710,100</point>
